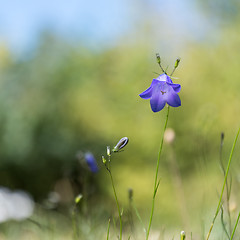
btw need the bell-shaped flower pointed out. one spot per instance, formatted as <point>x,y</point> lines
<point>91,162</point>
<point>162,91</point>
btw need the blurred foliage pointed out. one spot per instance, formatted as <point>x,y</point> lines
<point>221,11</point>
<point>65,98</point>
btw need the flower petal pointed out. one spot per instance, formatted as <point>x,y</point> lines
<point>157,104</point>
<point>157,101</point>
<point>168,79</point>
<point>162,77</point>
<point>176,87</point>
<point>173,99</point>
<point>146,94</point>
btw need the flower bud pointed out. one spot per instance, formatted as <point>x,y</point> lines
<point>108,151</point>
<point>130,194</point>
<point>177,63</point>
<point>158,58</point>
<point>183,235</point>
<point>121,144</point>
<point>78,198</point>
<point>104,160</point>
<point>222,138</point>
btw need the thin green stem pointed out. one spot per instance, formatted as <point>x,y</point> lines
<point>74,222</point>
<point>224,225</point>
<point>138,216</point>
<point>108,229</point>
<point>235,226</point>
<point>156,182</point>
<point>228,191</point>
<point>224,183</point>
<point>172,71</point>
<point>159,62</point>
<point>115,195</point>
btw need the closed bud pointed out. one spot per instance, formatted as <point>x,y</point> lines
<point>130,194</point>
<point>121,144</point>
<point>177,62</point>
<point>158,58</point>
<point>104,160</point>
<point>183,235</point>
<point>222,136</point>
<point>78,198</point>
<point>108,151</point>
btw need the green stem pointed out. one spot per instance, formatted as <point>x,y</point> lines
<point>156,182</point>
<point>108,229</point>
<point>235,226</point>
<point>224,183</point>
<point>172,71</point>
<point>228,192</point>
<point>74,222</point>
<point>115,195</point>
<point>138,216</point>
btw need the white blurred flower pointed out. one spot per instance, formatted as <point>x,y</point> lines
<point>169,135</point>
<point>16,205</point>
<point>52,201</point>
<point>155,235</point>
<point>233,206</point>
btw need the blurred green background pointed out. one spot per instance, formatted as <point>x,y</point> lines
<point>62,95</point>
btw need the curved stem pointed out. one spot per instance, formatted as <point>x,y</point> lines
<point>224,183</point>
<point>156,182</point>
<point>228,190</point>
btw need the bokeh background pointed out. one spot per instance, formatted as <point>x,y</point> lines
<point>70,75</point>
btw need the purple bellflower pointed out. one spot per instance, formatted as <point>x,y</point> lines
<point>162,91</point>
<point>91,162</point>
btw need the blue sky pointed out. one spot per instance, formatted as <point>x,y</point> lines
<point>21,21</point>
<point>97,22</point>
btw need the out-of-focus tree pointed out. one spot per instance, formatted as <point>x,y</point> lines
<point>222,11</point>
